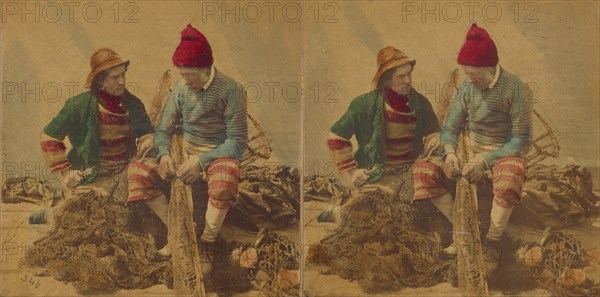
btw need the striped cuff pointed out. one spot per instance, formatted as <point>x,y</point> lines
<point>340,150</point>
<point>55,153</point>
<point>448,149</point>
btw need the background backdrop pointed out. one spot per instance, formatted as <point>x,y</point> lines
<point>321,52</point>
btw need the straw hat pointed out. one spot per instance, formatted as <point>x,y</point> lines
<point>102,59</point>
<point>389,58</point>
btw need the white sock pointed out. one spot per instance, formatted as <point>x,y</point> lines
<point>160,206</point>
<point>445,204</point>
<point>214,221</point>
<point>498,221</point>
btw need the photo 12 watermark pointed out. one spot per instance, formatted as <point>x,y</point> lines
<point>269,11</point>
<point>69,11</point>
<point>47,92</point>
<point>471,11</point>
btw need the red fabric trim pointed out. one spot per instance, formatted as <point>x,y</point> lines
<point>118,157</point>
<point>60,166</point>
<point>222,185</point>
<point>346,167</point>
<point>152,172</point>
<point>144,181</point>
<point>223,169</point>
<point>108,119</point>
<point>345,162</point>
<point>338,144</point>
<point>508,169</point>
<point>508,178</point>
<point>401,140</point>
<point>507,193</point>
<point>424,178</point>
<point>53,146</point>
<point>425,164</point>
<point>400,118</point>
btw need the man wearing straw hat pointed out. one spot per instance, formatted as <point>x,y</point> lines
<point>103,126</point>
<point>394,127</point>
<point>210,107</point>
<point>491,104</point>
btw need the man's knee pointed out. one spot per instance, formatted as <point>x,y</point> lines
<point>143,180</point>
<point>508,177</point>
<point>427,178</point>
<point>223,179</point>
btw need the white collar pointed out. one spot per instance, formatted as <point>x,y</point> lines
<point>211,77</point>
<point>496,76</point>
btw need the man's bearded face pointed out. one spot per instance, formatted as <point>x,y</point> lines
<point>114,83</point>
<point>401,80</point>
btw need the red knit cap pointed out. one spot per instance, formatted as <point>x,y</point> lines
<point>193,50</point>
<point>479,49</point>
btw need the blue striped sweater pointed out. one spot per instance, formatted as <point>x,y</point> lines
<point>500,116</point>
<point>216,116</point>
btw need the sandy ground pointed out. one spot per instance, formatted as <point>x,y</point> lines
<point>318,284</point>
<point>17,239</point>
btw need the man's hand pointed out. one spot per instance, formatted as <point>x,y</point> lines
<point>432,142</point>
<point>190,170</point>
<point>473,172</point>
<point>358,176</point>
<point>145,146</point>
<point>71,178</point>
<point>451,166</point>
<point>166,167</point>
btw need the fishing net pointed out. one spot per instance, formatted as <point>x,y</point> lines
<point>276,257</point>
<point>28,189</point>
<point>379,244</point>
<point>557,263</point>
<point>187,268</point>
<point>92,244</point>
<point>269,197</point>
<point>472,276</point>
<point>324,189</point>
<point>556,197</point>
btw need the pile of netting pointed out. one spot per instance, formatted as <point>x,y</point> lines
<point>93,246</point>
<point>272,262</point>
<point>27,189</point>
<point>324,189</point>
<point>269,197</point>
<point>556,197</point>
<point>559,263</point>
<point>379,244</point>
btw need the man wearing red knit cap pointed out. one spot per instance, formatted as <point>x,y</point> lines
<point>491,103</point>
<point>210,107</point>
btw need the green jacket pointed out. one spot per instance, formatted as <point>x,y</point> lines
<point>365,120</point>
<point>78,120</point>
